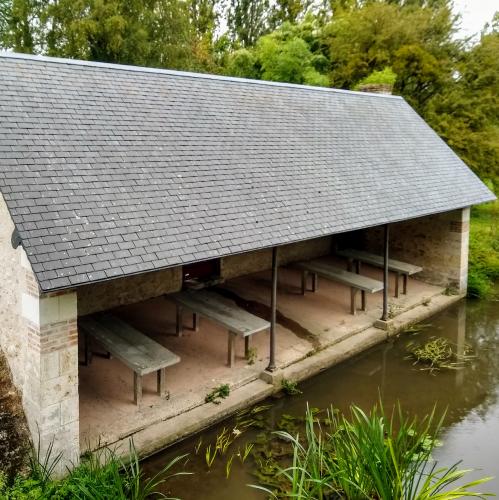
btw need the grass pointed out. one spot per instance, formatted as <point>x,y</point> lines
<point>368,456</point>
<point>100,476</point>
<point>484,250</point>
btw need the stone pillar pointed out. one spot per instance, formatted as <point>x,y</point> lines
<point>50,389</point>
<point>459,229</point>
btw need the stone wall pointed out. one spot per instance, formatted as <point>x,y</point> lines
<point>50,390</point>
<point>260,260</point>
<point>438,243</point>
<point>122,291</point>
<point>12,342</point>
<point>38,334</point>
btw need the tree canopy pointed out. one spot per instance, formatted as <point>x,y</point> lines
<point>452,83</point>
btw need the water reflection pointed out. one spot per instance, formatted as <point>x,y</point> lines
<point>470,397</point>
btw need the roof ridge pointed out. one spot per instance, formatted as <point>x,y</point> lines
<point>186,74</point>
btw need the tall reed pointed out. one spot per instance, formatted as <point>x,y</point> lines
<point>369,456</point>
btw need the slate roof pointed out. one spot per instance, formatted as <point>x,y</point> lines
<point>111,170</point>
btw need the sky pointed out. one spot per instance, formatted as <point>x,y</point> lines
<point>475,13</point>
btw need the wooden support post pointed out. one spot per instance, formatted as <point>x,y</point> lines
<point>88,351</point>
<point>231,349</point>
<point>357,267</point>
<point>364,299</point>
<point>162,382</point>
<point>404,290</point>
<point>273,308</point>
<point>137,388</point>
<point>195,322</point>
<point>179,321</point>
<point>304,276</point>
<point>246,346</point>
<point>384,317</point>
<point>353,296</point>
<point>315,282</point>
<point>397,282</point>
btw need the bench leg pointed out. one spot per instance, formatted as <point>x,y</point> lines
<point>246,346</point>
<point>404,277</point>
<point>179,321</point>
<point>88,351</point>
<point>137,389</point>
<point>364,299</point>
<point>357,267</point>
<point>315,282</point>
<point>195,322</point>
<point>304,276</point>
<point>353,295</point>
<point>162,383</point>
<point>397,279</point>
<point>231,349</point>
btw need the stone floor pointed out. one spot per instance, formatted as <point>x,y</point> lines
<point>305,324</point>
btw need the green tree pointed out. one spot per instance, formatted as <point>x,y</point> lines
<point>20,30</point>
<point>204,16</point>
<point>466,112</point>
<point>285,55</point>
<point>290,11</point>
<point>148,32</point>
<point>247,21</point>
<point>5,13</point>
<point>362,38</point>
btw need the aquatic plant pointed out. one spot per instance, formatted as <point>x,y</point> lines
<point>367,456</point>
<point>289,387</point>
<point>198,445</point>
<point>438,353</point>
<point>415,329</point>
<point>247,450</point>
<point>228,466</point>
<point>210,455</point>
<point>218,393</point>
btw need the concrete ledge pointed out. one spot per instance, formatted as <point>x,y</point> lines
<point>165,433</point>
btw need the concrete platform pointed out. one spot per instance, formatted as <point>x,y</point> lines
<point>314,331</point>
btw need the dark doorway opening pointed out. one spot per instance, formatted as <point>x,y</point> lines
<point>201,272</point>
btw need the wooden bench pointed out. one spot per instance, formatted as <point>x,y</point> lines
<point>211,306</point>
<point>398,267</point>
<point>137,351</point>
<point>355,281</point>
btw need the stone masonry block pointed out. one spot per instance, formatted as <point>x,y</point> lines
<point>57,389</point>
<point>68,360</point>
<point>69,410</point>
<point>50,366</point>
<point>54,309</point>
<point>50,418</point>
<point>30,308</point>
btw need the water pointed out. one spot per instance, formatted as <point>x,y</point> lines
<point>470,396</point>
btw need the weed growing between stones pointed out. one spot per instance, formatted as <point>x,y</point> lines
<point>252,355</point>
<point>217,394</point>
<point>289,387</point>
